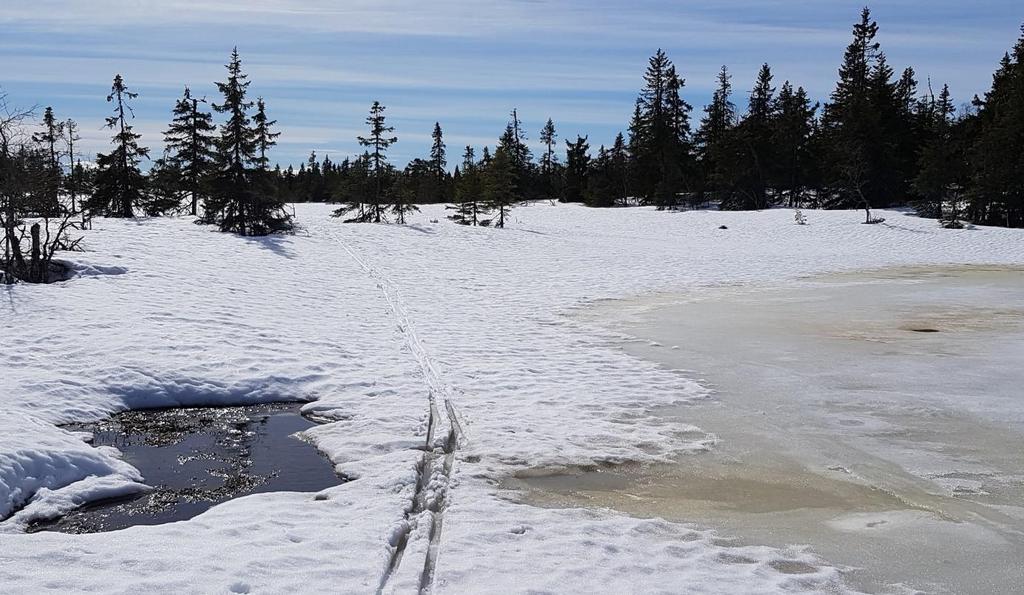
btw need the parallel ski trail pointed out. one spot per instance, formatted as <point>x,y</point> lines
<point>437,459</point>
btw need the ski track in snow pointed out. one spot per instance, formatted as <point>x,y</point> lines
<point>425,506</point>
<point>167,313</point>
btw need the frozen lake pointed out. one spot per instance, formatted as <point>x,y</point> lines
<point>878,417</point>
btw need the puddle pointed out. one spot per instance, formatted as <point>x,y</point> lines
<point>195,458</point>
<point>876,416</point>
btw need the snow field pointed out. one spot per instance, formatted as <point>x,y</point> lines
<point>391,332</point>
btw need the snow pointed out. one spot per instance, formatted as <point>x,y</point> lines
<point>399,336</point>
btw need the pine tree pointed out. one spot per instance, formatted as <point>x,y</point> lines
<point>189,142</point>
<point>238,202</point>
<point>120,185</point>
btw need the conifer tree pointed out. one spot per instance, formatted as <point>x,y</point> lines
<point>379,141</point>
<point>577,165</point>
<point>549,160</point>
<point>792,141</point>
<point>120,185</point>
<point>469,210</point>
<point>439,161</point>
<point>719,118</point>
<point>752,152</point>
<point>513,142</point>
<point>73,181</point>
<point>659,134</point>
<point>996,168</point>
<point>238,202</point>
<point>266,139</point>
<point>189,142</point>
<point>500,191</point>
<point>863,126</point>
<point>941,171</point>
<point>52,133</point>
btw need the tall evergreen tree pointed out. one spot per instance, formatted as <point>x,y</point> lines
<point>513,142</point>
<point>189,142</point>
<point>719,118</point>
<point>549,160</point>
<point>51,134</point>
<point>469,210</point>
<point>996,167</point>
<point>577,165</point>
<point>863,126</point>
<point>73,182</point>
<point>792,132</point>
<point>120,185</point>
<point>238,201</point>
<point>500,190</point>
<point>941,168</point>
<point>660,132</point>
<point>752,152</point>
<point>439,163</point>
<point>265,138</point>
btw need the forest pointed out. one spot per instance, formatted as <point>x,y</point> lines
<point>883,139</point>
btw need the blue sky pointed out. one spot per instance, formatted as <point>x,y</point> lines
<point>320,63</point>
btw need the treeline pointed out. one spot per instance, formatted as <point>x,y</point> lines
<point>883,139</point>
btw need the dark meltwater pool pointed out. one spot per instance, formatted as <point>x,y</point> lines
<point>195,458</point>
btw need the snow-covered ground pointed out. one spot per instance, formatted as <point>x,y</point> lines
<point>402,336</point>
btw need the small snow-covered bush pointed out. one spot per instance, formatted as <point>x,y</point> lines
<point>799,217</point>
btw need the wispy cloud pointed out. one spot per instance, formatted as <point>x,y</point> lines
<point>464,63</point>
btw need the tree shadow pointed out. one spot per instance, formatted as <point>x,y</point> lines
<point>278,244</point>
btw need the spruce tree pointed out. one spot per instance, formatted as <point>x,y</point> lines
<point>189,142</point>
<point>659,134</point>
<point>500,191</point>
<point>792,132</point>
<point>996,167</point>
<point>120,185</point>
<point>752,151</point>
<point>719,118</point>
<point>238,202</point>
<point>577,165</point>
<point>469,209</point>
<point>941,170</point>
<point>73,181</point>
<point>513,142</point>
<point>438,161</point>
<point>380,170</point>
<point>864,127</point>
<point>52,133</point>
<point>549,161</point>
<point>266,139</point>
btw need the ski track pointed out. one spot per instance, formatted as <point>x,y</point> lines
<point>430,506</point>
